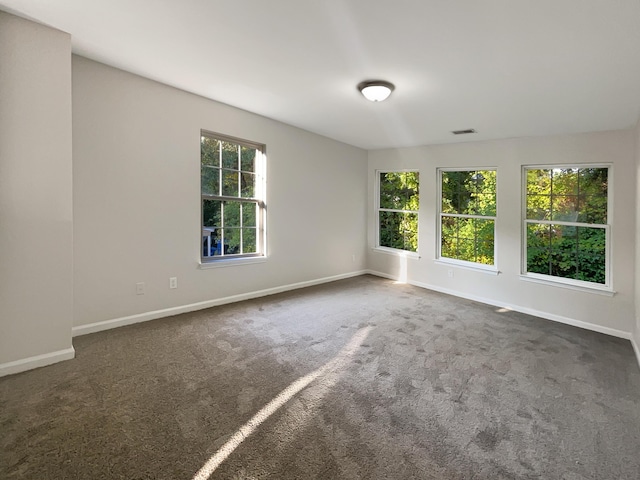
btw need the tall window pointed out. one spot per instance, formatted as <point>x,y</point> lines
<point>566,223</point>
<point>467,215</point>
<point>398,205</point>
<point>232,196</point>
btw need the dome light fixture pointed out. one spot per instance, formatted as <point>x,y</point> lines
<point>376,90</point>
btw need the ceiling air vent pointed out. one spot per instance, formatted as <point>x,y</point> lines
<point>463,132</point>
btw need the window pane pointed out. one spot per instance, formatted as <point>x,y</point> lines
<point>485,250</point>
<point>538,248</point>
<point>469,192</point>
<point>449,192</point>
<point>465,249</point>
<point>476,182</point>
<point>467,203</point>
<point>564,181</point>
<point>468,239</point>
<point>209,180</point>
<point>593,209</point>
<point>539,207</point>
<point>230,155</point>
<point>485,230</point>
<point>247,186</point>
<point>230,183</point>
<point>591,255</point>
<point>399,190</point>
<point>211,245</point>
<point>231,214</point>
<point>209,151</point>
<point>453,182</point>
<point>211,213</point>
<point>410,230</point>
<point>390,232</point>
<point>449,227</point>
<point>486,181</point>
<point>564,208</point>
<point>593,181</point>
<point>249,218</point>
<point>399,230</point>
<point>486,204</point>
<point>457,188</point>
<point>249,244</point>
<point>466,228</point>
<point>567,252</point>
<point>247,159</point>
<point>450,203</point>
<point>564,249</point>
<point>539,182</point>
<point>573,195</point>
<point>449,237</point>
<point>231,241</point>
<point>388,197</point>
<point>448,249</point>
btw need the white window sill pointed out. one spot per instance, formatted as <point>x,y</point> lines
<point>595,288</point>
<point>396,252</point>
<point>231,262</point>
<point>488,269</point>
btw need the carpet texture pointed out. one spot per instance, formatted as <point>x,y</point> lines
<point>357,379</point>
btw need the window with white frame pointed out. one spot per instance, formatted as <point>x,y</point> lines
<point>566,225</point>
<point>467,216</point>
<point>398,205</point>
<point>232,197</point>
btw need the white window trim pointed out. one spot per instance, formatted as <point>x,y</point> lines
<point>260,171</point>
<point>567,283</point>
<point>396,251</point>
<point>572,284</point>
<point>232,262</point>
<point>478,267</point>
<point>390,250</point>
<point>481,267</point>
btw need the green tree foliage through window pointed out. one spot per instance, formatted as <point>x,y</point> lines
<point>467,215</point>
<point>399,203</point>
<point>566,222</point>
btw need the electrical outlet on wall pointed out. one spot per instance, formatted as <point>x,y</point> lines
<point>173,282</point>
<point>450,273</point>
<point>140,288</point>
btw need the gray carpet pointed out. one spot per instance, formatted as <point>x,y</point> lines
<point>380,381</point>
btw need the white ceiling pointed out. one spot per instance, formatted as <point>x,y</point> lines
<point>507,68</point>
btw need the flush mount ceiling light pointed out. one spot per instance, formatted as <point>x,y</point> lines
<point>376,90</point>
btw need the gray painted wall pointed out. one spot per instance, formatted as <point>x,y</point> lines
<point>36,243</point>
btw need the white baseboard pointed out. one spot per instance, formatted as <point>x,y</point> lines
<point>29,363</point>
<point>516,308</point>
<point>383,275</point>
<point>636,348</point>
<point>167,312</point>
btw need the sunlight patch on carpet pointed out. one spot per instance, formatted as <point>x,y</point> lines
<point>338,362</point>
